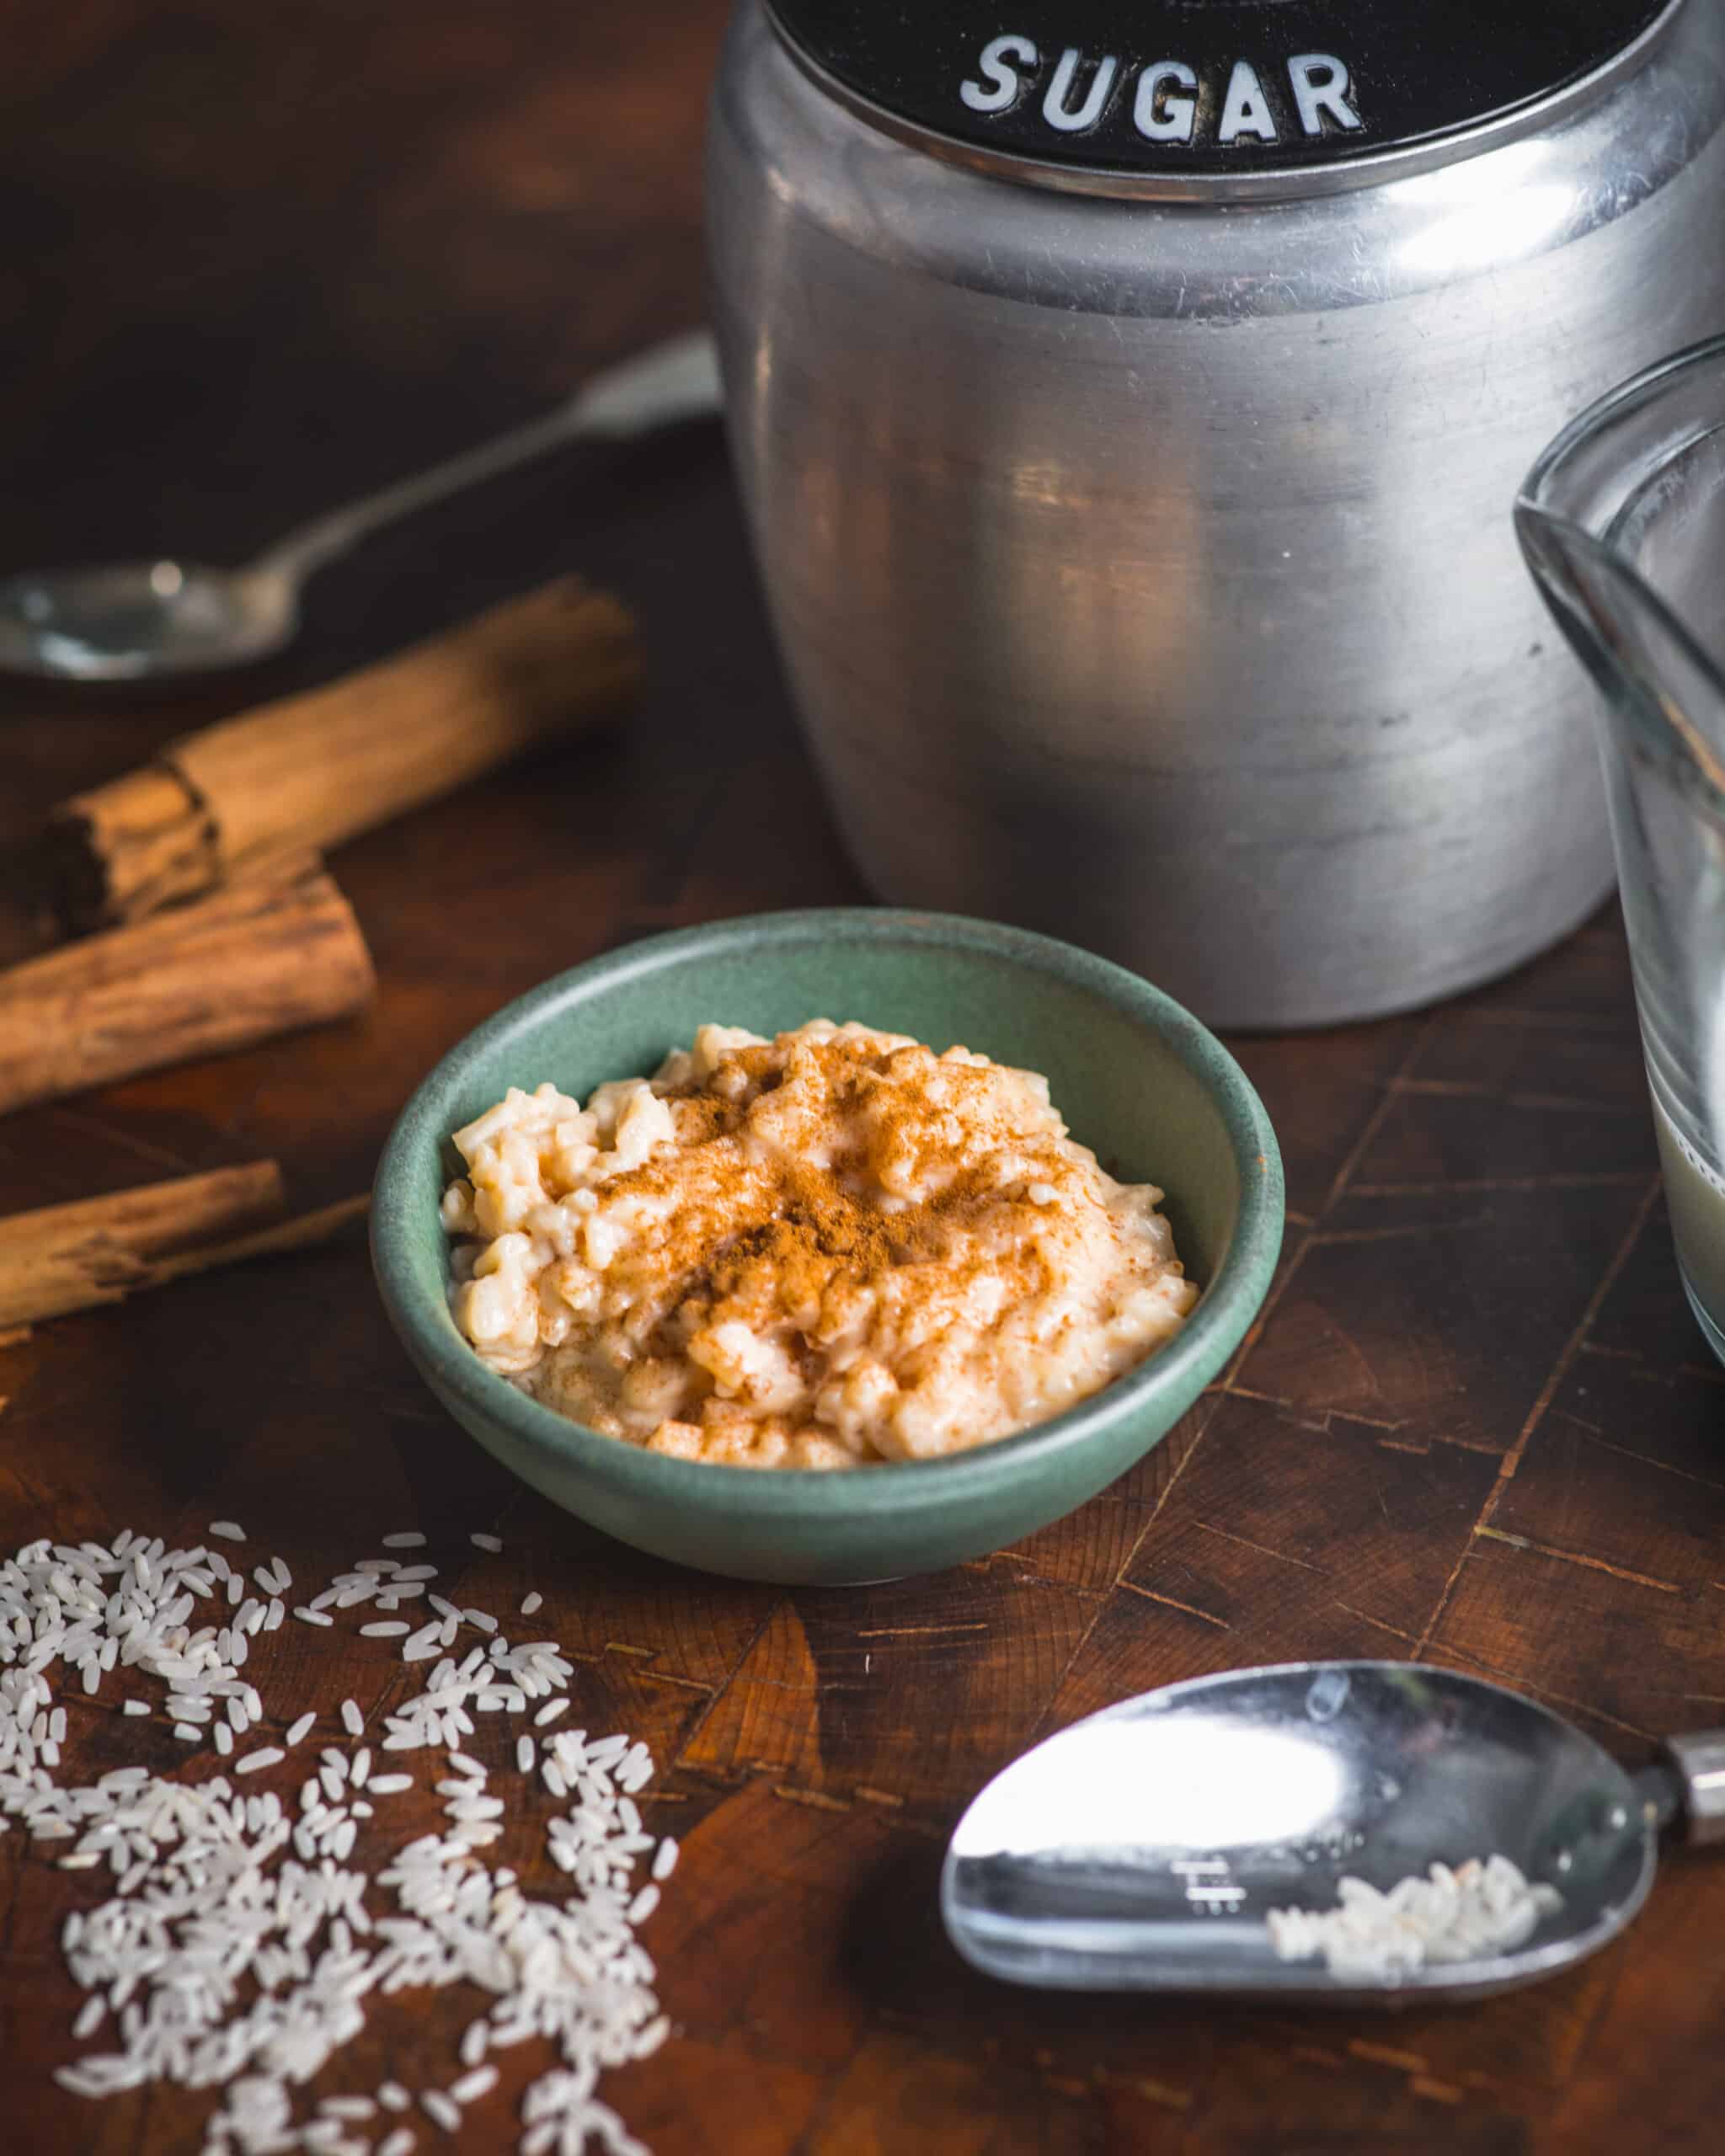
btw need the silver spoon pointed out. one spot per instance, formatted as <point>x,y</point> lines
<point>131,620</point>
<point>1140,1849</point>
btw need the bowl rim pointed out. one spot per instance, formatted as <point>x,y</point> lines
<point>1192,1358</point>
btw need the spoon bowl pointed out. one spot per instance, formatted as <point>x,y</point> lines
<point>128,620</point>
<point>1141,1849</point>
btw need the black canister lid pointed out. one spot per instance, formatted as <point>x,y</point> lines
<point>1206,89</point>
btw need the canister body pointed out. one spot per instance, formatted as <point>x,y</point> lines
<point>1144,569</point>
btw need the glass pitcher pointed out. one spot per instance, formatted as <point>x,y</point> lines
<point>1622,521</point>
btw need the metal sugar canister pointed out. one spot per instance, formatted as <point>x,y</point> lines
<point>1129,402</point>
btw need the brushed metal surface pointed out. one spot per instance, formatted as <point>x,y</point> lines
<point>1142,1848</point>
<point>1700,1760</point>
<point>1145,571</point>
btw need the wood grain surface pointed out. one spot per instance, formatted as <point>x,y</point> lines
<point>262,257</point>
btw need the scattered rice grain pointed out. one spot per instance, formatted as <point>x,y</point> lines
<point>439,2108</point>
<point>301,1956</point>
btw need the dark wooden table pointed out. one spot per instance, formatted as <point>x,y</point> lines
<point>259,257</point>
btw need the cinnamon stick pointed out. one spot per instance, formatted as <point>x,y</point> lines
<point>72,1257</point>
<point>305,1231</point>
<point>277,950</point>
<point>312,770</point>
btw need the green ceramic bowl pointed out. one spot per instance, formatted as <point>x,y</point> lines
<point>1137,1078</point>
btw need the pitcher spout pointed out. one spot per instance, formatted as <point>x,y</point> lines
<point>1661,695</point>
<point>1622,523</point>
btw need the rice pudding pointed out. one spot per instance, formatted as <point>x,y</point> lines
<point>821,1251</point>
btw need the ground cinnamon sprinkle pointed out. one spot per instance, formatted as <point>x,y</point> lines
<point>828,1248</point>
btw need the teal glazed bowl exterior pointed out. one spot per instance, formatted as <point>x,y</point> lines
<point>1137,1078</point>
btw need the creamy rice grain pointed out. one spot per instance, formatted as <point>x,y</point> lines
<point>821,1251</point>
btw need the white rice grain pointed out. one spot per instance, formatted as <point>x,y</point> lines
<point>1482,1907</point>
<point>440,2110</point>
<point>199,1882</point>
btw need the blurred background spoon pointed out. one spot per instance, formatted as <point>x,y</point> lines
<point>1142,1848</point>
<point>136,620</point>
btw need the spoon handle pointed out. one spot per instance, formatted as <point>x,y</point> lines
<point>675,380</point>
<point>1700,1764</point>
